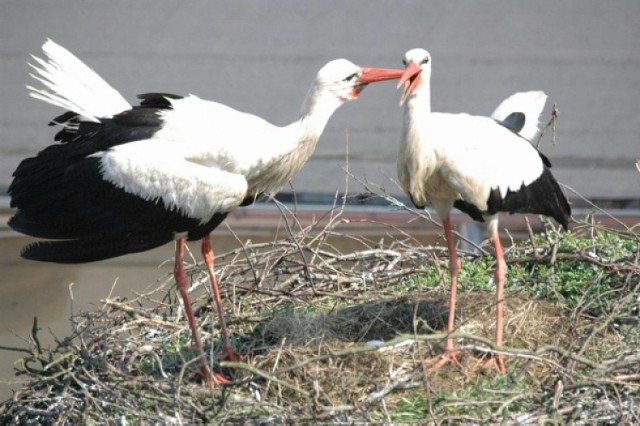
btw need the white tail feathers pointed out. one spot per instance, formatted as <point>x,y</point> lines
<point>530,104</point>
<point>72,85</point>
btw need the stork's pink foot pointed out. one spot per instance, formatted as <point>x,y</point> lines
<point>212,378</point>
<point>496,361</point>
<point>442,359</point>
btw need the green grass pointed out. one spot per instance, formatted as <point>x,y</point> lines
<point>486,395</point>
<point>411,407</point>
<point>172,357</point>
<point>571,280</point>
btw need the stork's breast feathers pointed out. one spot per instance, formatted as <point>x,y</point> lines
<point>151,173</point>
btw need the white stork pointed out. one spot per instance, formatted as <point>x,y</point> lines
<point>126,179</point>
<point>478,164</point>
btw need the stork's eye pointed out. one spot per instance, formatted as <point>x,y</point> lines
<point>404,62</point>
<point>351,77</point>
<point>425,61</point>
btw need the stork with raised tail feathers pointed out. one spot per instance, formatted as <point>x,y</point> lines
<point>125,179</point>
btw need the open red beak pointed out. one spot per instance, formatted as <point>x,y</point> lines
<point>371,75</point>
<point>410,80</point>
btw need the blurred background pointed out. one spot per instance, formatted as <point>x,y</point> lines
<point>261,57</point>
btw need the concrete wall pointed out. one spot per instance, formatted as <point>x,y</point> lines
<point>260,56</point>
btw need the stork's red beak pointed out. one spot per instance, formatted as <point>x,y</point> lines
<point>410,80</point>
<point>371,75</point>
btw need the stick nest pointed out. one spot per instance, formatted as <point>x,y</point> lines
<point>337,336</point>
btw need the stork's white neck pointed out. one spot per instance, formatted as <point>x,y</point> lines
<point>416,161</point>
<point>418,105</point>
<point>302,136</point>
<point>317,109</point>
<point>417,114</point>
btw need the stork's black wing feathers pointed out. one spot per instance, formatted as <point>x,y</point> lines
<point>37,176</point>
<point>98,220</point>
<point>542,196</point>
<point>157,99</point>
<point>514,122</point>
<point>60,194</point>
<point>63,118</point>
<point>544,158</point>
<point>470,209</point>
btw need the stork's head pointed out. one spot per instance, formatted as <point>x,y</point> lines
<point>346,80</point>
<point>417,64</point>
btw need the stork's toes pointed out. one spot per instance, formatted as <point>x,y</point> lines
<point>442,359</point>
<point>496,361</point>
<point>212,378</point>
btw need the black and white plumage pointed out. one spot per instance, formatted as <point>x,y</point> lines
<point>521,112</point>
<point>126,179</point>
<point>112,187</point>
<point>481,165</point>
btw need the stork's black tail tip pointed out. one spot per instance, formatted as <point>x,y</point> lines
<point>90,250</point>
<point>56,252</point>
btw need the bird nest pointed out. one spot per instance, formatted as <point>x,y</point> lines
<point>342,337</point>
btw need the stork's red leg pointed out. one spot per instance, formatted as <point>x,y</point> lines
<point>449,354</point>
<point>182,282</point>
<point>228,352</point>
<point>497,360</point>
